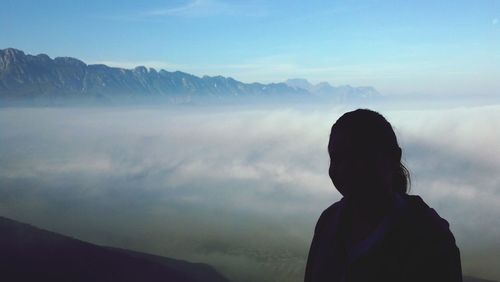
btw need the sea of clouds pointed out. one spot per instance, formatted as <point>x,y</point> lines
<point>239,188</point>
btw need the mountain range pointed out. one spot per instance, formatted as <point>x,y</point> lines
<point>39,77</point>
<point>339,93</point>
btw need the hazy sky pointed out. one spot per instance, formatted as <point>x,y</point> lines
<point>399,47</point>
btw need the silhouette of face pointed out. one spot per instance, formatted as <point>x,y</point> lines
<point>358,170</point>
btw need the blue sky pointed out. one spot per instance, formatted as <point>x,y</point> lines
<point>399,47</point>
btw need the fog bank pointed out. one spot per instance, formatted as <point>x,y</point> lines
<point>240,189</point>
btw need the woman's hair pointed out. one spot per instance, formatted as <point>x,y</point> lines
<point>369,132</point>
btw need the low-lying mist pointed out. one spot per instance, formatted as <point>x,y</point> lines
<point>238,188</point>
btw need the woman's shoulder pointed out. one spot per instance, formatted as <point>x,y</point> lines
<point>329,215</point>
<point>425,222</point>
<point>428,244</point>
<point>333,208</point>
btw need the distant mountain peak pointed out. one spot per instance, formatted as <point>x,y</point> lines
<point>9,56</point>
<point>12,52</point>
<point>141,69</point>
<point>299,83</point>
<point>336,93</point>
<point>323,84</point>
<point>69,60</point>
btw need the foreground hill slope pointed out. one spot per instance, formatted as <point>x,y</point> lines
<point>32,254</point>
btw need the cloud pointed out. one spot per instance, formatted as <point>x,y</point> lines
<point>207,8</point>
<point>190,9</point>
<point>240,189</point>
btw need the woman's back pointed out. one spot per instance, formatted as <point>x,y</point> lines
<point>417,245</point>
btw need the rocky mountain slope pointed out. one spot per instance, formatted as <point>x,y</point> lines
<point>38,77</point>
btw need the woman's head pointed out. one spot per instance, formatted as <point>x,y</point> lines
<point>365,158</point>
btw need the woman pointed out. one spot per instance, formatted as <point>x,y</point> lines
<point>377,232</point>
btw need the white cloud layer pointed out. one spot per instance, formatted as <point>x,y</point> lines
<point>240,189</point>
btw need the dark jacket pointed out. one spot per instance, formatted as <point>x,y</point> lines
<point>415,244</point>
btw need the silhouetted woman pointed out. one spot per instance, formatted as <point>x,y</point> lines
<point>377,232</point>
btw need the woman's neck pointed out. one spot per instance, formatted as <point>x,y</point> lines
<point>373,208</point>
<point>366,215</point>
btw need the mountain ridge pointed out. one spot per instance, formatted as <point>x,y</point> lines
<point>25,76</point>
<point>324,88</point>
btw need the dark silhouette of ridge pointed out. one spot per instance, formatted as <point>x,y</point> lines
<point>28,253</point>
